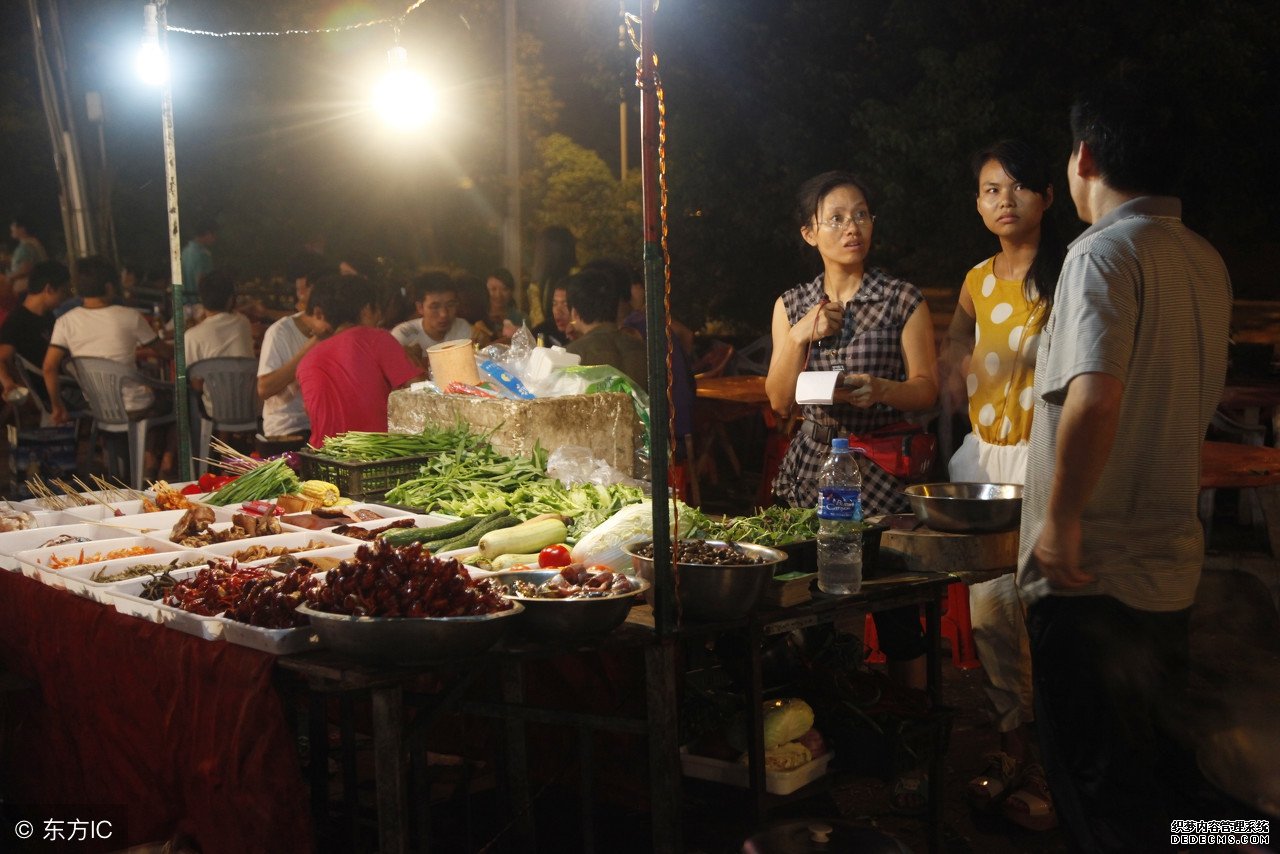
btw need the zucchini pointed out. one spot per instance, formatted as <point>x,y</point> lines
<point>472,537</point>
<point>509,560</point>
<point>523,538</point>
<point>405,536</point>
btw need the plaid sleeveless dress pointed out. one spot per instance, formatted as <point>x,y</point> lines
<point>869,342</point>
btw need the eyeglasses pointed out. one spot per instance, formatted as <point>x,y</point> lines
<point>840,223</point>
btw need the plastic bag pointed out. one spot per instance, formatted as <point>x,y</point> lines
<point>573,464</point>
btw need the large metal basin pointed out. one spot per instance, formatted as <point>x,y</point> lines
<point>711,592</point>
<point>967,508</point>
<point>409,640</point>
<point>567,618</point>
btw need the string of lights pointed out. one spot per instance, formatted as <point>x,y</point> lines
<point>345,28</point>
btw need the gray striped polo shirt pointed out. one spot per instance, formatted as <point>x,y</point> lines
<point>1144,299</point>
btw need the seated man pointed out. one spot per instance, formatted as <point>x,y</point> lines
<point>223,332</point>
<point>436,298</point>
<point>29,326</point>
<point>593,309</point>
<point>105,331</point>
<point>347,377</point>
<point>284,419</point>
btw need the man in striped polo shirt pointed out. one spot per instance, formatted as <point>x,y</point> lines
<point>1130,369</point>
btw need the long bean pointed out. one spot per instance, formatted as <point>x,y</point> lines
<point>364,447</point>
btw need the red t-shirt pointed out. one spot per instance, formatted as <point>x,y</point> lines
<point>346,380</point>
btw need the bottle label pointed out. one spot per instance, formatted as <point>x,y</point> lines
<point>840,503</point>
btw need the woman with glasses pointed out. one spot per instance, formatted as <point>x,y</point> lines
<point>991,360</point>
<point>876,330</point>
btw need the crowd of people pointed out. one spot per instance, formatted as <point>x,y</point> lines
<point>329,365</point>
<point>1063,357</point>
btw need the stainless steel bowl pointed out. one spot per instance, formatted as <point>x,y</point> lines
<point>712,592</point>
<point>967,508</point>
<point>409,640</point>
<point>565,618</point>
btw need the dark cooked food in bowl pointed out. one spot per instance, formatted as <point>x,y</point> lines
<point>407,581</point>
<point>728,589</point>
<point>708,553</point>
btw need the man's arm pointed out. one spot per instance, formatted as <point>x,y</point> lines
<point>6,359</point>
<point>271,384</point>
<point>1086,432</point>
<point>52,381</point>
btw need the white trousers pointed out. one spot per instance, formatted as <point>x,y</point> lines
<point>999,628</point>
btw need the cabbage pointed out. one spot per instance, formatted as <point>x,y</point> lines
<point>631,524</point>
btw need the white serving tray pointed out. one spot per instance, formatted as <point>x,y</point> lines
<point>430,520</point>
<point>35,562</point>
<point>13,542</point>
<point>293,539</point>
<point>736,773</point>
<point>157,524</point>
<point>127,601</point>
<point>273,641</point>
<point>78,579</point>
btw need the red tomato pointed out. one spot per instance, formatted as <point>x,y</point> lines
<point>554,557</point>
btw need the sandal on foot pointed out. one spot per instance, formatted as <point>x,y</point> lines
<point>996,781</point>
<point>910,794</point>
<point>1031,804</point>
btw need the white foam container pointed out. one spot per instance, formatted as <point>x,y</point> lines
<point>273,641</point>
<point>737,774</point>
<point>429,520</point>
<point>95,512</point>
<point>291,540</point>
<point>78,579</point>
<point>46,518</point>
<point>13,542</point>
<point>157,524</point>
<point>127,601</point>
<point>35,562</point>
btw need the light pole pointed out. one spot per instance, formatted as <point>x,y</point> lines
<point>155,54</point>
<point>511,222</point>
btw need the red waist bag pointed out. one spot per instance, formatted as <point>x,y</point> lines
<point>904,450</point>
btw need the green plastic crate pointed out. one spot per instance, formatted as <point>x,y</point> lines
<point>361,480</point>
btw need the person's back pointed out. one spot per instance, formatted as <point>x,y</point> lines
<point>593,308</point>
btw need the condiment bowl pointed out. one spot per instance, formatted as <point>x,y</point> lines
<point>715,592</point>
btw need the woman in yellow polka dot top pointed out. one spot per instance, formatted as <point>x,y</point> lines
<point>992,348</point>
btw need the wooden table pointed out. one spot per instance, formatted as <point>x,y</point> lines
<point>734,396</point>
<point>748,390</point>
<point>1226,465</point>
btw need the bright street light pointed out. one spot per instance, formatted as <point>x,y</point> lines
<point>152,66</point>
<point>402,97</point>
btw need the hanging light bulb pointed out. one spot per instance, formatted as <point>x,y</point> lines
<point>402,97</point>
<point>152,65</point>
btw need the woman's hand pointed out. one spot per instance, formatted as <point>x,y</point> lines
<point>825,318</point>
<point>861,390</point>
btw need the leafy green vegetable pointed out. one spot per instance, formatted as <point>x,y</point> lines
<point>771,526</point>
<point>265,481</point>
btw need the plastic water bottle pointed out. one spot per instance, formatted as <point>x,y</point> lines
<point>839,512</point>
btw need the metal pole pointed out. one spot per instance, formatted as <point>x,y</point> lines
<point>511,224</point>
<point>664,605</point>
<point>75,170</point>
<point>175,256</point>
<point>53,118</point>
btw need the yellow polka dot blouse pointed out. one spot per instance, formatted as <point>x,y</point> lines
<point>1002,370</point>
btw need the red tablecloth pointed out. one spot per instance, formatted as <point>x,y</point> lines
<point>190,735</point>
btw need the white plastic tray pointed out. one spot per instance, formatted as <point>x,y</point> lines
<point>736,773</point>
<point>293,539</point>
<point>35,561</point>
<point>273,641</point>
<point>78,579</point>
<point>124,596</point>
<point>14,542</point>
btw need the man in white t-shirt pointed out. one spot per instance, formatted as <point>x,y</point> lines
<point>436,299</point>
<point>284,418</point>
<point>224,332</point>
<point>105,331</point>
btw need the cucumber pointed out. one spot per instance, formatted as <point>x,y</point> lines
<point>405,536</point>
<point>472,537</point>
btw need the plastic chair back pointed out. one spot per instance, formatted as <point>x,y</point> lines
<point>102,382</point>
<point>231,385</point>
<point>753,359</point>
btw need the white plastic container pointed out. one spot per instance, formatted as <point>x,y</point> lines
<point>14,542</point>
<point>157,524</point>
<point>737,773</point>
<point>127,601</point>
<point>291,540</point>
<point>79,579</point>
<point>272,641</point>
<point>95,512</point>
<point>35,562</point>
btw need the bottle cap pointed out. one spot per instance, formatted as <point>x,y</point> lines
<point>840,443</point>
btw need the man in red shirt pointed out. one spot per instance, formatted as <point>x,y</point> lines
<point>347,377</point>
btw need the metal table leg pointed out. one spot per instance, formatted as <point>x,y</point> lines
<point>390,769</point>
<point>664,752</point>
<point>512,677</point>
<point>933,640</point>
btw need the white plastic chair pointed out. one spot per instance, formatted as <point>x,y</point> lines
<point>231,385</point>
<point>33,377</point>
<point>102,382</point>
